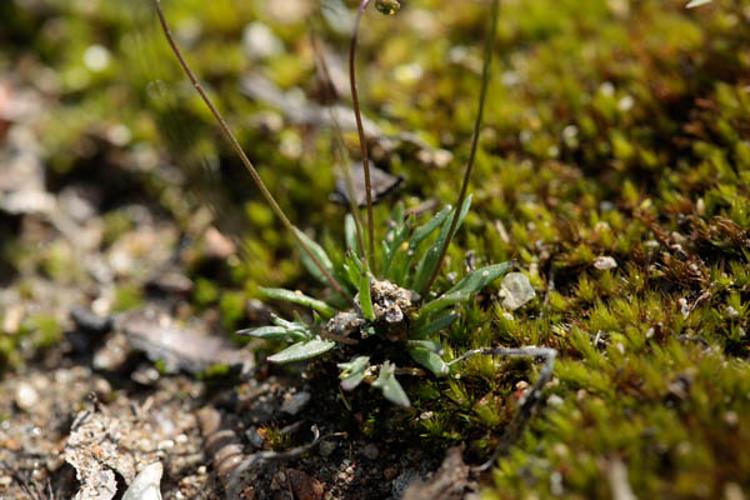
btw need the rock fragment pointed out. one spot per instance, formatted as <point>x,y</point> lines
<point>146,485</point>
<point>516,291</point>
<point>605,262</point>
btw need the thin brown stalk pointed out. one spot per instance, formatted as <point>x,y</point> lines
<point>370,255</point>
<point>489,41</point>
<point>232,140</point>
<point>339,148</point>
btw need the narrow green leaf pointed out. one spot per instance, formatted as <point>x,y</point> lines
<point>319,253</point>
<point>353,269</point>
<point>464,289</point>
<point>697,3</point>
<point>429,260</point>
<point>290,331</point>
<point>365,299</point>
<point>425,230</point>
<point>270,333</point>
<point>301,351</point>
<point>350,234</point>
<point>298,298</point>
<point>353,373</point>
<point>389,386</point>
<point>429,358</point>
<point>436,325</point>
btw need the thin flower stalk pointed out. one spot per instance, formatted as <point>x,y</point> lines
<point>489,41</point>
<point>230,137</point>
<point>370,255</point>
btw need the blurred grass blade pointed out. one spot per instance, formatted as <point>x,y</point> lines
<point>464,289</point>
<point>302,351</point>
<point>319,254</point>
<point>350,234</point>
<point>390,387</point>
<point>429,227</point>
<point>298,298</point>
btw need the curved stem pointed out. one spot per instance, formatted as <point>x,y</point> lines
<point>370,255</point>
<point>490,39</point>
<point>229,136</point>
<point>339,147</point>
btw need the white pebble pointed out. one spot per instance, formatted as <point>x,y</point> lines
<point>516,291</point>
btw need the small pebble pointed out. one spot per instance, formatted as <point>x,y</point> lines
<point>390,473</point>
<point>146,485</point>
<point>371,451</point>
<point>326,448</point>
<point>605,262</point>
<point>293,403</point>
<point>26,396</point>
<point>516,291</point>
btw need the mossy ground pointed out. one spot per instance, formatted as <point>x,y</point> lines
<point>613,129</point>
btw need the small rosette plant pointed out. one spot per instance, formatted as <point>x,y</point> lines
<point>395,311</point>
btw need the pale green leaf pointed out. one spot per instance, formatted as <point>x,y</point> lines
<point>353,373</point>
<point>389,386</point>
<point>467,287</point>
<point>302,351</point>
<point>299,298</point>
<point>350,234</point>
<point>319,254</point>
<point>428,357</point>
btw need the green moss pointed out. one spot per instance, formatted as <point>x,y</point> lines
<point>613,129</point>
<point>127,296</point>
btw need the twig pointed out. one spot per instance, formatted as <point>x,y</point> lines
<point>230,137</point>
<point>531,399</point>
<point>489,41</point>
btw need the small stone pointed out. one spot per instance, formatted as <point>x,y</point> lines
<point>390,473</point>
<point>516,291</point>
<point>260,42</point>
<point>218,246</point>
<point>555,400</point>
<point>605,262</point>
<point>371,451</point>
<point>26,396</point>
<point>145,486</point>
<point>103,389</point>
<point>293,403</point>
<point>327,448</point>
<point>166,444</point>
<point>305,486</point>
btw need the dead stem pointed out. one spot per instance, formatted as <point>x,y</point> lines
<point>370,255</point>
<point>229,136</point>
<point>489,41</point>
